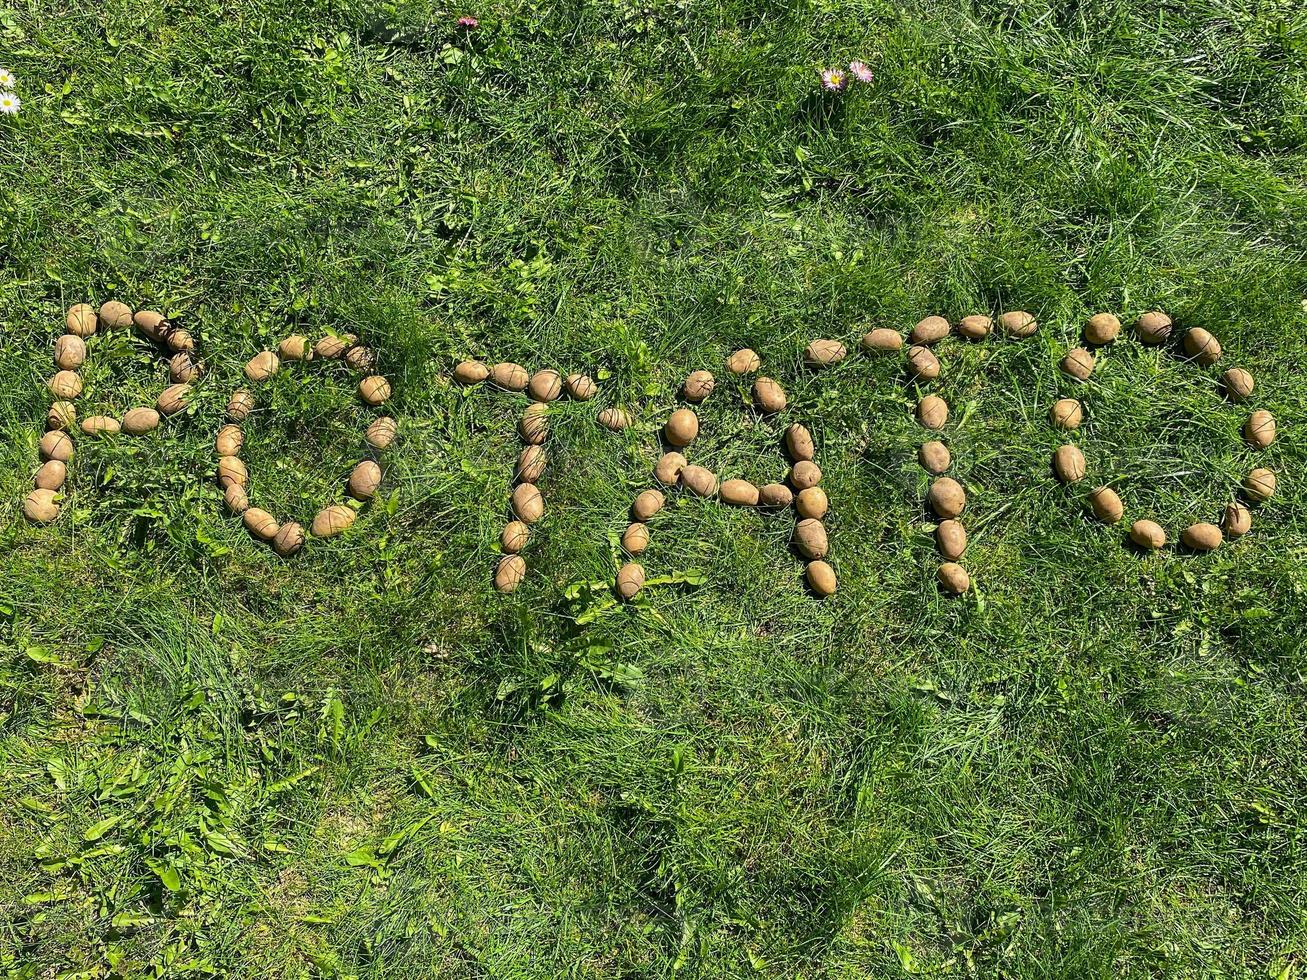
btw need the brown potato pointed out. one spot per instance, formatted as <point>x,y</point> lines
<point>946,497</point>
<point>1148,535</point>
<point>62,415</point>
<point>775,495</point>
<point>51,475</point>
<point>296,347</point>
<point>630,580</point>
<point>821,578</point>
<point>364,480</point>
<point>932,412</point>
<point>531,464</point>
<point>975,327</point>
<point>115,315</point>
<point>798,443</point>
<point>1202,346</point>
<point>1201,537</point>
<point>39,506</point>
<point>528,503</point>
<point>514,537</point>
<point>333,346</point>
<point>69,352</point>
<point>1069,463</point>
<point>647,504</point>
<point>1018,323</point>
<point>668,468</point>
<point>812,502</point>
<point>360,358</point>
<point>682,427</point>
<point>1078,363</point>
<point>699,481</point>
<point>882,339</point>
<point>374,390</point>
<point>260,523</point>
<point>804,474</point>
<point>1153,328</point>
<point>951,540</point>
<point>236,499</point>
<point>1237,521</point>
<point>180,341</point>
<point>240,405</point>
<point>151,323</point>
<point>545,386</point>
<point>471,372</point>
<point>232,470</point>
<point>923,365</point>
<point>1259,430</point>
<point>533,427</point>
<point>173,399</point>
<point>510,573</point>
<point>381,433</point>
<point>1066,413</point>
<point>80,320</point>
<point>953,578</point>
<point>332,520</point>
<point>929,331</point>
<point>1107,505</point>
<point>635,539</point>
<point>768,396</point>
<point>934,457</point>
<point>1259,485</point>
<point>56,444</point>
<point>824,353</point>
<point>810,538</point>
<point>288,540</point>
<point>1102,329</point>
<point>581,387</point>
<point>181,368</point>
<point>139,421</point>
<point>510,376</point>
<point>743,361</point>
<point>615,419</point>
<point>697,386</point>
<point>739,493</point>
<point>65,385</point>
<point>262,366</point>
<point>101,425</point>
<point>1238,384</point>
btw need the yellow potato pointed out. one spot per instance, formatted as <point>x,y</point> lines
<point>65,385</point>
<point>821,578</point>
<point>1153,328</point>
<point>80,320</point>
<point>510,376</point>
<point>635,539</point>
<point>1107,505</point>
<point>533,427</point>
<point>768,396</point>
<point>1202,347</point>
<point>743,361</point>
<point>260,523</point>
<point>514,537</point>
<point>332,520</point>
<point>69,352</point>
<point>1069,463</point>
<point>1148,535</point>
<point>682,427</point>
<point>616,419</point>
<point>364,480</point>
<point>100,425</point>
<point>931,330</point>
<point>699,481</point>
<point>975,327</point>
<point>669,466</point>
<point>811,502</point>
<point>262,366</point>
<point>799,444</point>
<point>1018,323</point>
<point>581,387</point>
<point>381,433</point>
<point>288,540</point>
<point>1201,537</point>
<point>239,406</point>
<point>805,474</point>
<point>173,399</point>
<point>1102,329</point>
<point>810,538</point>
<point>946,497</point>
<point>139,421</point>
<point>528,503</point>
<point>56,444</point>
<point>881,339</point>
<point>296,347</point>
<point>739,493</point>
<point>932,412</point>
<point>647,504</point>
<point>824,353</point>
<point>953,578</point>
<point>934,457</point>
<point>115,315</point>
<point>51,475</point>
<point>374,389</point>
<point>40,507</point>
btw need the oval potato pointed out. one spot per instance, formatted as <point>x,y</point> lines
<point>56,444</point>
<point>296,347</point>
<point>533,427</point>
<point>581,387</point>
<point>1066,414</point>
<point>1259,485</point>
<point>139,421</point>
<point>630,580</point>
<point>647,504</point>
<point>798,443</point>
<point>510,573</point>
<point>332,520</point>
<point>946,497</point>
<point>635,539</point>
<point>545,386</point>
<point>699,481</point>
<point>332,346</point>
<point>173,399</point>
<point>510,376</point>
<point>951,539</point>
<point>51,475</point>
<point>100,425</point>
<point>1237,520</point>
<point>812,502</point>
<point>768,396</point>
<point>953,578</point>
<point>262,366</point>
<point>470,372</point>
<point>881,340</point>
<point>1238,384</point>
<point>374,390</point>
<point>1107,505</point>
<point>260,523</point>
<point>40,507</point>
<point>668,468</point>
<point>1078,363</point>
<point>240,405</point>
<point>514,537</point>
<point>932,412</point>
<point>976,327</point>
<point>923,365</point>
<point>1153,327</point>
<point>934,457</point>
<point>810,538</point>
<point>1018,323</point>
<point>697,386</point>
<point>743,361</point>
<point>531,464</point>
<point>824,353</point>
<point>1201,537</point>
<point>364,480</point>
<point>1102,329</point>
<point>69,352</point>
<point>1148,535</point>
<point>381,433</point>
<point>804,474</point>
<point>232,470</point>
<point>1069,463</point>
<point>775,495</point>
<point>62,415</point>
<point>288,540</point>
<point>821,578</point>
<point>681,428</point>
<point>1204,348</point>
<point>931,330</point>
<point>528,503</point>
<point>80,320</point>
<point>115,315</point>
<point>1259,430</point>
<point>615,419</point>
<point>236,499</point>
<point>739,493</point>
<point>65,385</point>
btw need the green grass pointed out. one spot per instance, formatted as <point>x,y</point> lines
<point>364,762</point>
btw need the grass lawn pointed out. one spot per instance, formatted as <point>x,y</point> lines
<point>366,762</point>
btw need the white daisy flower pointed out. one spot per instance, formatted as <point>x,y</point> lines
<point>7,78</point>
<point>9,104</point>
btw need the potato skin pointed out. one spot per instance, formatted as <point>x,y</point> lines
<point>882,340</point>
<point>768,396</point>
<point>510,573</point>
<point>931,330</point>
<point>682,427</point>
<point>947,498</point>
<point>697,386</point>
<point>1069,463</point>
<point>1201,537</point>
<point>630,580</point>
<point>1148,535</point>
<point>743,361</point>
<point>953,578</point>
<point>810,538</point>
<point>821,578</point>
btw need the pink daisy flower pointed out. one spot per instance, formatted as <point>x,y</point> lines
<point>833,79</point>
<point>468,22</point>
<point>860,71</point>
